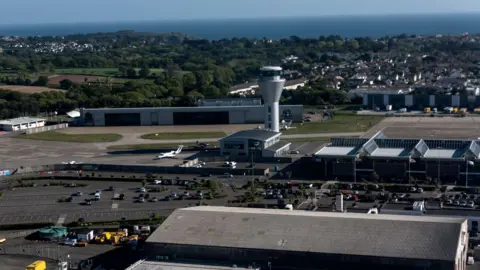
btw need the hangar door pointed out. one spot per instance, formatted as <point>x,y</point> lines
<point>122,119</point>
<point>200,118</point>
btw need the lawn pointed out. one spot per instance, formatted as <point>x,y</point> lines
<point>339,123</point>
<point>80,138</point>
<point>153,146</point>
<point>97,71</point>
<point>183,135</point>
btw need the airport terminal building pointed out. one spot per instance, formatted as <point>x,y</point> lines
<point>400,160</point>
<point>202,115</point>
<point>257,142</point>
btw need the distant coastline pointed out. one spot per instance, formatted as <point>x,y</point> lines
<point>273,28</point>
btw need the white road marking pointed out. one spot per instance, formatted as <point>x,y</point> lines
<point>61,219</point>
<point>115,206</point>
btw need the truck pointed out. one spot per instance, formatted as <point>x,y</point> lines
<point>37,265</point>
<point>426,110</point>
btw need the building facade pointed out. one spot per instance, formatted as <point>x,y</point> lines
<point>400,160</point>
<point>258,143</point>
<point>205,115</point>
<point>21,123</point>
<point>419,102</point>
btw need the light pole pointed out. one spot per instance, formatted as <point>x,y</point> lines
<point>467,163</point>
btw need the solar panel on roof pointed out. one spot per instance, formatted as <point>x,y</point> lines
<point>396,143</point>
<point>348,142</point>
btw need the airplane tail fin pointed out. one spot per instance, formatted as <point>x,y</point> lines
<point>180,147</point>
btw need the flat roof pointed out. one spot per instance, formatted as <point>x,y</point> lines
<point>389,152</point>
<point>20,120</point>
<point>256,134</point>
<point>336,151</point>
<point>396,236</point>
<point>180,109</point>
<point>440,153</point>
<point>278,145</point>
<point>163,265</point>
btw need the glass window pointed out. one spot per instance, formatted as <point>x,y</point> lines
<point>270,73</point>
<point>269,109</point>
<point>269,126</point>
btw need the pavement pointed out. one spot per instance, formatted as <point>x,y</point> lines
<point>138,140</point>
<point>39,204</point>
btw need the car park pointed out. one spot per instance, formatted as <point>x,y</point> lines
<point>154,199</point>
<point>142,189</point>
<point>141,200</point>
<point>228,175</point>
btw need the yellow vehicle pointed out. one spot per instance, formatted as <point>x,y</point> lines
<point>426,110</point>
<point>37,265</point>
<point>103,237</point>
<point>455,110</point>
<point>2,240</point>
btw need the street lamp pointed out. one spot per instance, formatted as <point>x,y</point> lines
<point>253,149</point>
<point>467,163</point>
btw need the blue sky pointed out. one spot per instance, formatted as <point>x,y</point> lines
<point>53,11</point>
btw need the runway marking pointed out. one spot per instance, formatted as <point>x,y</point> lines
<point>61,219</point>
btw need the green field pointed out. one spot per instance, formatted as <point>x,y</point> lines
<point>339,123</point>
<point>80,138</point>
<point>153,146</point>
<point>97,71</point>
<point>183,135</point>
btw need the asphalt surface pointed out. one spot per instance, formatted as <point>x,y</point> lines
<point>39,204</point>
<point>19,152</point>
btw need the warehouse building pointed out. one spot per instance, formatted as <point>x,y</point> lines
<point>21,123</point>
<point>420,101</point>
<point>203,115</point>
<point>400,160</point>
<point>256,142</point>
<point>282,239</point>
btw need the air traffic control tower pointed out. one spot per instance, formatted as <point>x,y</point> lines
<point>271,86</point>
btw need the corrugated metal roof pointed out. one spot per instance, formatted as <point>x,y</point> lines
<point>416,237</point>
<point>336,151</point>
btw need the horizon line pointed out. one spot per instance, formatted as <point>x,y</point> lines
<point>243,18</point>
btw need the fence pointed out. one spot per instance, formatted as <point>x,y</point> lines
<point>46,128</point>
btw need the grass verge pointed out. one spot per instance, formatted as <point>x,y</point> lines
<point>183,135</point>
<point>153,146</point>
<point>339,123</point>
<point>80,138</point>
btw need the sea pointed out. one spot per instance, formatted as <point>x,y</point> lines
<point>273,28</point>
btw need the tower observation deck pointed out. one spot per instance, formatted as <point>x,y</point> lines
<point>271,86</point>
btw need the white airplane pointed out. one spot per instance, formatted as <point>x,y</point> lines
<point>170,154</point>
<point>71,162</point>
<point>286,125</point>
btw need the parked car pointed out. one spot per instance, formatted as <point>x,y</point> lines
<point>141,200</point>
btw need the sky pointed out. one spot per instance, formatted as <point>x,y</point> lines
<point>72,11</point>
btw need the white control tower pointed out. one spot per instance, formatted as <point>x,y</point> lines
<point>271,86</point>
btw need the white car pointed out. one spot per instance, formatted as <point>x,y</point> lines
<point>471,204</point>
<point>157,182</point>
<point>143,190</point>
<point>228,175</point>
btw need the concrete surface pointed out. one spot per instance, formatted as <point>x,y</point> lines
<point>428,127</point>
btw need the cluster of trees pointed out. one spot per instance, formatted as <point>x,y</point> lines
<point>193,68</point>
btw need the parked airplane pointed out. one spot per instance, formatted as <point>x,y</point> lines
<point>286,125</point>
<point>71,162</point>
<point>170,154</point>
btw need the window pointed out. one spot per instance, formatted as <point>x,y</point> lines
<point>269,109</point>
<point>269,126</point>
<point>269,117</point>
<point>242,154</point>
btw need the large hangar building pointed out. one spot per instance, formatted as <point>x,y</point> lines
<point>282,239</point>
<point>202,115</point>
